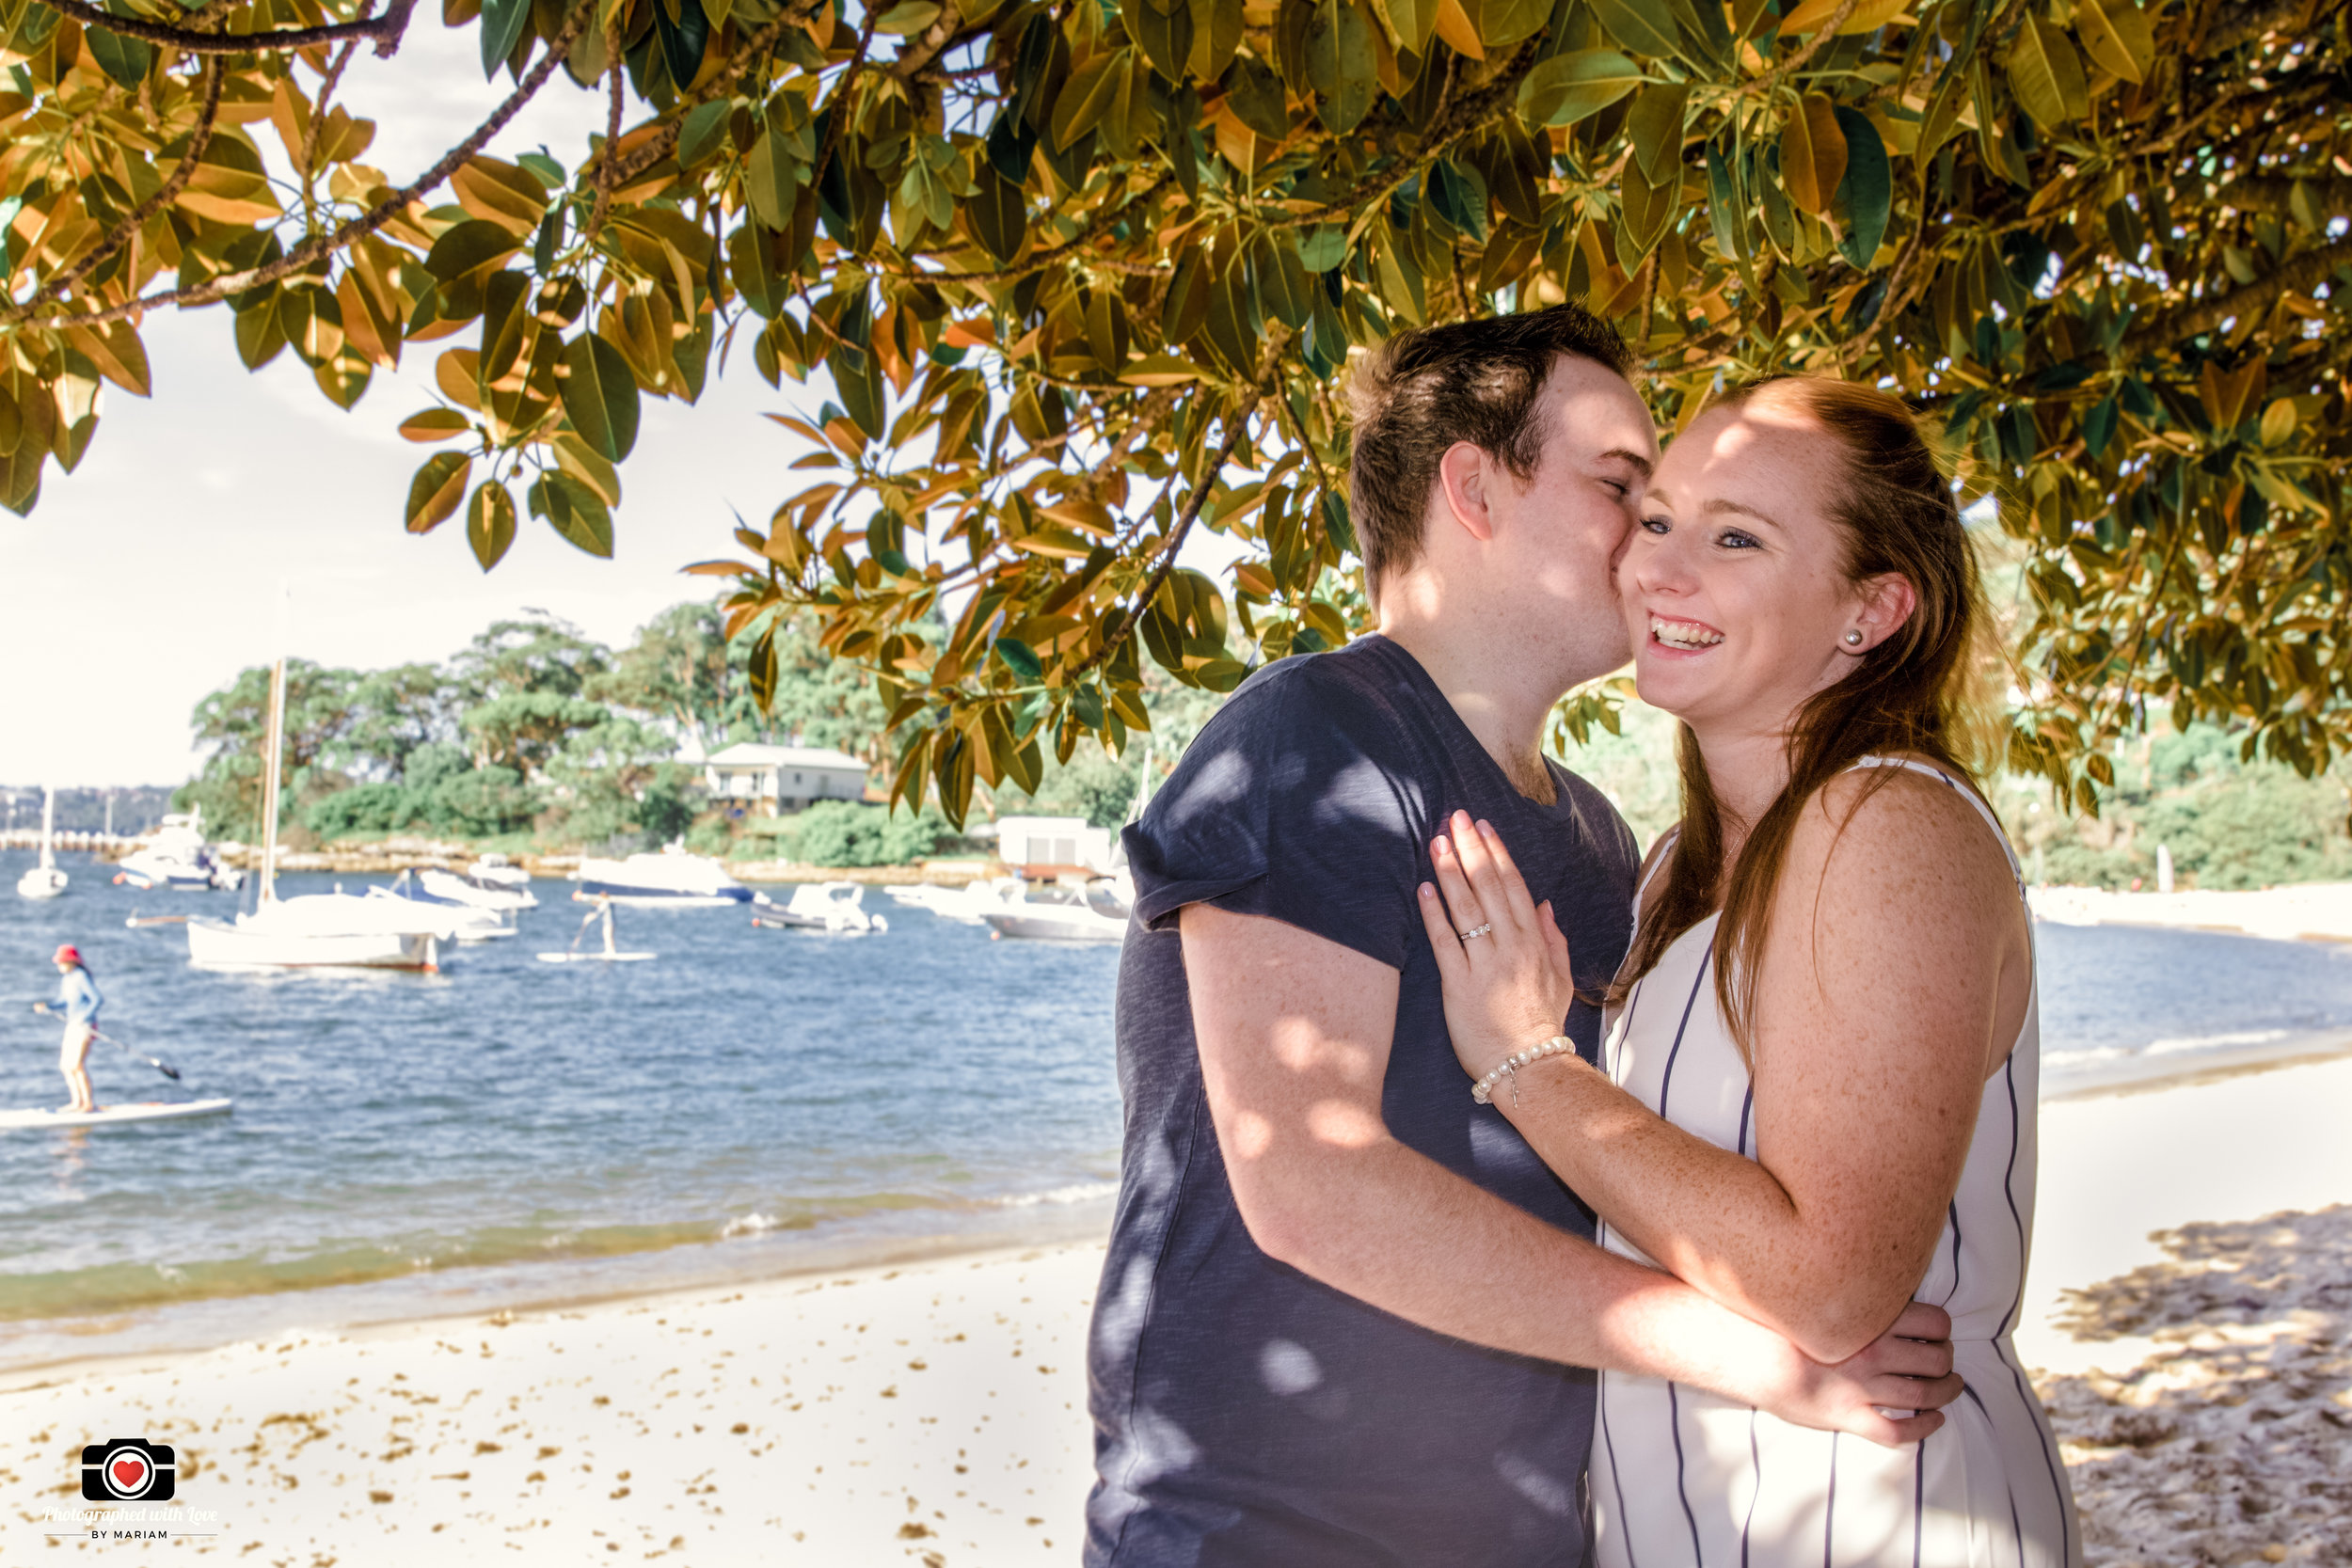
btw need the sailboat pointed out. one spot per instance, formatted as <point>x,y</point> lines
<point>320,929</point>
<point>44,881</point>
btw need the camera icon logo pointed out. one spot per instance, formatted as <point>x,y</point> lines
<point>129,1471</point>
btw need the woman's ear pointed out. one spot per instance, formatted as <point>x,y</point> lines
<point>1881,605</point>
<point>1462,478</point>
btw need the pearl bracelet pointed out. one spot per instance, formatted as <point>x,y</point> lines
<point>1482,1091</point>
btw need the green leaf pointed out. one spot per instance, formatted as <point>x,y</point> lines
<point>2117,34</point>
<point>1644,26</point>
<point>437,488</point>
<point>1283,283</point>
<point>2099,426</point>
<point>1575,86</point>
<point>998,213</point>
<point>1866,193</point>
<point>489,522</point>
<point>1655,127</point>
<point>2046,75</point>
<point>601,396</point>
<point>126,60</point>
<point>1340,64</point>
<point>469,247</point>
<point>1164,35</point>
<point>1255,95</point>
<point>503,25</point>
<point>1504,23</point>
<point>1021,659</point>
<point>771,178</point>
<point>1322,249</point>
<point>574,511</point>
<point>907,18</point>
<point>1085,98</point>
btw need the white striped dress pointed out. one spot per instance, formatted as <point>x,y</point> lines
<point>1682,1479</point>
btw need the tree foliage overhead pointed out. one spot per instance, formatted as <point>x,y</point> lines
<point>1076,277</point>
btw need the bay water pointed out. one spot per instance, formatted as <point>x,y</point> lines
<point>751,1103</point>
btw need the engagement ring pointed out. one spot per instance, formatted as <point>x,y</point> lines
<point>1473,934</point>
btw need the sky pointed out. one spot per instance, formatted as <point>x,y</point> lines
<point>146,578</point>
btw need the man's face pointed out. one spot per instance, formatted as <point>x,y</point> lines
<point>1557,534</point>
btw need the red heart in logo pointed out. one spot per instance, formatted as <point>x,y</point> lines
<point>129,1471</point>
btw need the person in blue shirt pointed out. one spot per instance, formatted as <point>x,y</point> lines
<point>78,999</point>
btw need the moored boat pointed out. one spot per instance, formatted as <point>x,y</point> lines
<point>1095,910</point>
<point>176,857</point>
<point>335,929</point>
<point>44,881</point>
<point>837,907</point>
<point>671,879</point>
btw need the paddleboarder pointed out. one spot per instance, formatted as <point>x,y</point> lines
<point>78,999</point>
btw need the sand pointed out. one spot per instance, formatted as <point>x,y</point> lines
<point>931,1415</point>
<point>2190,1312</point>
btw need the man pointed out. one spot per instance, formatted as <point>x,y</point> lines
<point>78,999</point>
<point>1346,1310</point>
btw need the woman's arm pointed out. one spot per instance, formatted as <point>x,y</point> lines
<point>1893,981</point>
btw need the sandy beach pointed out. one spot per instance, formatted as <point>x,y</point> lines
<point>2191,1309</point>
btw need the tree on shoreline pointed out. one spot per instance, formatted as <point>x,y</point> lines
<point>1077,279</point>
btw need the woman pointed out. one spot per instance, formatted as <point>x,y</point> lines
<point>1817,1092</point>
<point>78,999</point>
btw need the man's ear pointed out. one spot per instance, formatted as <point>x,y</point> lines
<point>1464,474</point>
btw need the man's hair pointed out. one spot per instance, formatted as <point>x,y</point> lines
<point>1477,381</point>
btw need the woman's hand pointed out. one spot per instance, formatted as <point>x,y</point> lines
<point>1503,958</point>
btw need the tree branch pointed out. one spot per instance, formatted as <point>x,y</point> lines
<point>360,228</point>
<point>1804,56</point>
<point>318,115</point>
<point>119,235</point>
<point>2296,275</point>
<point>605,166</point>
<point>658,147</point>
<point>385,30</point>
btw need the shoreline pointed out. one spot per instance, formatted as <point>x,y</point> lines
<point>58,1344</point>
<point>195,1327</point>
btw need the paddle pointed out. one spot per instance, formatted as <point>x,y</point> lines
<point>165,1067</point>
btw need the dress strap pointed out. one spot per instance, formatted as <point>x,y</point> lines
<point>1927,770</point>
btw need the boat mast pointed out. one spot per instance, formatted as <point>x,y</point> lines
<point>48,827</point>
<point>273,743</point>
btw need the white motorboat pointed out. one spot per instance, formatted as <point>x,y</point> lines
<point>489,884</point>
<point>44,881</point>
<point>837,907</point>
<point>175,856</point>
<point>966,905</point>
<point>460,922</point>
<point>671,879</point>
<point>335,929</point>
<point>1095,910</point>
<point>322,931</point>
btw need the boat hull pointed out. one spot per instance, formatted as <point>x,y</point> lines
<point>1056,927</point>
<point>42,881</point>
<point>218,945</point>
<point>654,897</point>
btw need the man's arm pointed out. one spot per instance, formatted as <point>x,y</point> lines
<point>1294,1034</point>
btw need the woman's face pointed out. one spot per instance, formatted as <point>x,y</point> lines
<point>1734,582</point>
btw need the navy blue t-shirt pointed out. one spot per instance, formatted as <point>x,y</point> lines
<point>1244,1412</point>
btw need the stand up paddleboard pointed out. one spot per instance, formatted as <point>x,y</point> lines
<point>610,955</point>
<point>115,1115</point>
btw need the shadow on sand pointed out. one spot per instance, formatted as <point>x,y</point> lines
<point>2233,1442</point>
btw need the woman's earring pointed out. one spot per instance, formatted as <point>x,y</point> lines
<point>1854,640</point>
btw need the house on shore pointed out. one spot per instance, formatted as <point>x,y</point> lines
<point>769,781</point>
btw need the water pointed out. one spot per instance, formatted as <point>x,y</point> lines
<point>753,1103</point>
<point>751,1089</point>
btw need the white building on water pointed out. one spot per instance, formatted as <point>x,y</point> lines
<point>771,780</point>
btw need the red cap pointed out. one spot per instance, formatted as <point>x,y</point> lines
<point>69,954</point>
